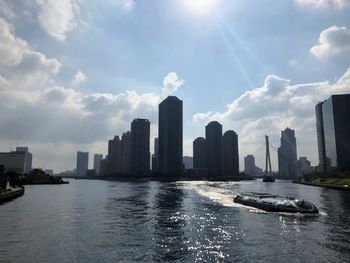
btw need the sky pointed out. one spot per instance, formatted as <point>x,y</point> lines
<point>74,73</point>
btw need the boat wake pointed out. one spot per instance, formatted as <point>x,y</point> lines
<point>224,194</point>
<point>221,193</point>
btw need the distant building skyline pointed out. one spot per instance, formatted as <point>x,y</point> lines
<point>220,64</point>
<point>188,162</point>
<point>250,167</point>
<point>304,166</point>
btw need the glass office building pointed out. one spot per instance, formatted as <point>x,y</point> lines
<point>336,132</point>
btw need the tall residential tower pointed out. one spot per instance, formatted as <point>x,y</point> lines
<point>140,153</point>
<point>287,154</point>
<point>229,154</point>
<point>170,137</point>
<point>213,134</point>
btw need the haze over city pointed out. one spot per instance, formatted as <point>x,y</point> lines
<point>73,75</point>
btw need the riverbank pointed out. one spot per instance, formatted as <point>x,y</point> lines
<point>162,179</point>
<point>329,186</point>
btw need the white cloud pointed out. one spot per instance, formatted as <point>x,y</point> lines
<point>7,10</point>
<point>324,3</point>
<point>201,116</point>
<point>19,59</point>
<point>58,18</point>
<point>79,78</point>
<point>126,4</point>
<point>273,107</point>
<point>171,83</point>
<point>333,41</point>
<point>41,113</point>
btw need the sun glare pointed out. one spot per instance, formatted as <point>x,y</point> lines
<point>200,7</point>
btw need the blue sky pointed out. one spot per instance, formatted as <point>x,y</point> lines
<point>77,72</point>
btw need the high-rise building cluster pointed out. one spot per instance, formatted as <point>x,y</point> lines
<point>333,132</point>
<point>216,155</point>
<point>130,155</point>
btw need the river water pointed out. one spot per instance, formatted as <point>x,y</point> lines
<point>101,221</point>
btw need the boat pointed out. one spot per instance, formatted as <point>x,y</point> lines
<point>268,179</point>
<point>275,203</point>
<point>9,192</point>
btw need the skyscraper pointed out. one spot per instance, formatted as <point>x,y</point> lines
<point>333,128</point>
<point>126,161</point>
<point>199,153</point>
<point>287,154</point>
<point>155,156</point>
<point>229,154</point>
<point>170,137</point>
<point>320,138</point>
<point>213,134</point>
<point>140,153</point>
<point>97,163</point>
<point>82,163</point>
<point>115,155</point>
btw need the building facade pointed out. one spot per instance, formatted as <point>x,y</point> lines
<point>304,166</point>
<point>199,153</point>
<point>213,134</point>
<point>115,156</point>
<point>126,164</point>
<point>250,167</point>
<point>287,154</point>
<point>188,162</point>
<point>322,166</point>
<point>229,154</point>
<point>97,163</point>
<point>140,152</point>
<point>334,130</point>
<point>155,157</point>
<point>170,144</point>
<point>82,163</point>
<point>28,156</point>
<point>13,162</point>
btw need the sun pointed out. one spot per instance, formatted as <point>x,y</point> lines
<point>200,7</point>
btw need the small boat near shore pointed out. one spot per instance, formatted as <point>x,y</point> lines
<point>9,192</point>
<point>268,179</point>
<point>275,203</point>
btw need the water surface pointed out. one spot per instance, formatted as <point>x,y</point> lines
<point>101,221</point>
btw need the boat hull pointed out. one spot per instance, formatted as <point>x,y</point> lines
<point>274,203</point>
<point>268,179</point>
<point>6,196</point>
